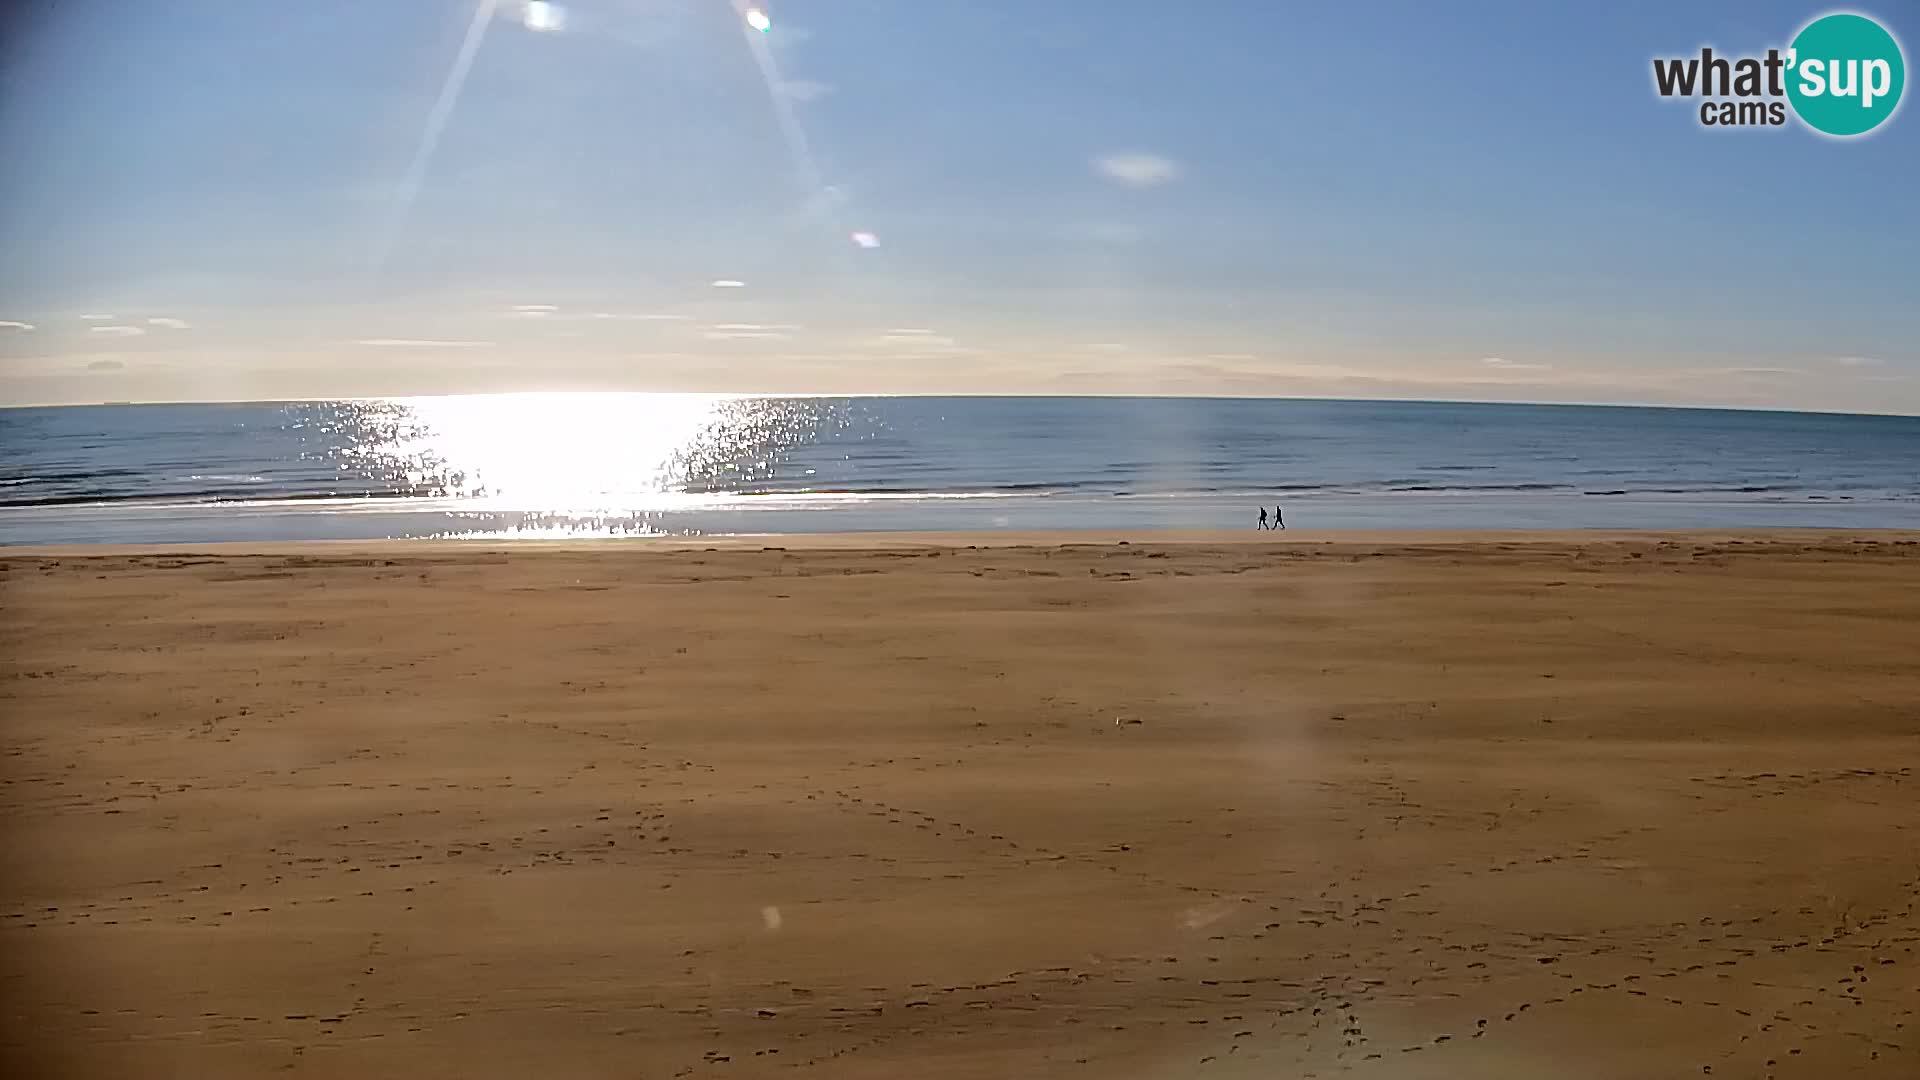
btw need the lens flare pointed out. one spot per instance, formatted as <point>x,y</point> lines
<point>757,18</point>
<point>409,188</point>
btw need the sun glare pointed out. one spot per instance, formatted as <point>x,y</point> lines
<point>571,454</point>
<point>557,451</point>
<point>542,16</point>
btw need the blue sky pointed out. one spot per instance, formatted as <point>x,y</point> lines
<point>1485,200</point>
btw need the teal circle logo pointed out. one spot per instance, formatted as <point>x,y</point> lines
<point>1845,73</point>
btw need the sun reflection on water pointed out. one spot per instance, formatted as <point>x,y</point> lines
<point>571,453</point>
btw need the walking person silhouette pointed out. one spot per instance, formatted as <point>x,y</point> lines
<point>1278,521</point>
<point>1263,518</point>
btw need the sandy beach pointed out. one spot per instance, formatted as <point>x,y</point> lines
<point>1394,806</point>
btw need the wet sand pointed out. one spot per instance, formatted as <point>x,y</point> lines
<point>1495,805</point>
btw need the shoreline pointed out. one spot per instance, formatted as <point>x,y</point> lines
<point>374,520</point>
<point>1297,538</point>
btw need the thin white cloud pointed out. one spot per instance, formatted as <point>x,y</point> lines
<point>1209,376</point>
<point>422,343</point>
<point>638,316</point>
<point>166,323</point>
<point>753,328</point>
<point>921,347</point>
<point>804,90</point>
<point>117,331</point>
<point>1857,361</point>
<point>1137,169</point>
<point>746,335</point>
<point>729,283</point>
<point>919,339</point>
<point>11,324</point>
<point>865,240</point>
<point>1104,347</point>
<point>1513,365</point>
<point>97,318</point>
<point>1708,373</point>
<point>531,311</point>
<point>1289,370</point>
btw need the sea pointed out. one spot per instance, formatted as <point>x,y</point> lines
<point>581,465</point>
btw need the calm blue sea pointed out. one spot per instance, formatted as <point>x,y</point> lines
<point>652,464</point>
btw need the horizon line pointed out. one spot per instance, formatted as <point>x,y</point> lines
<point>973,394</point>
